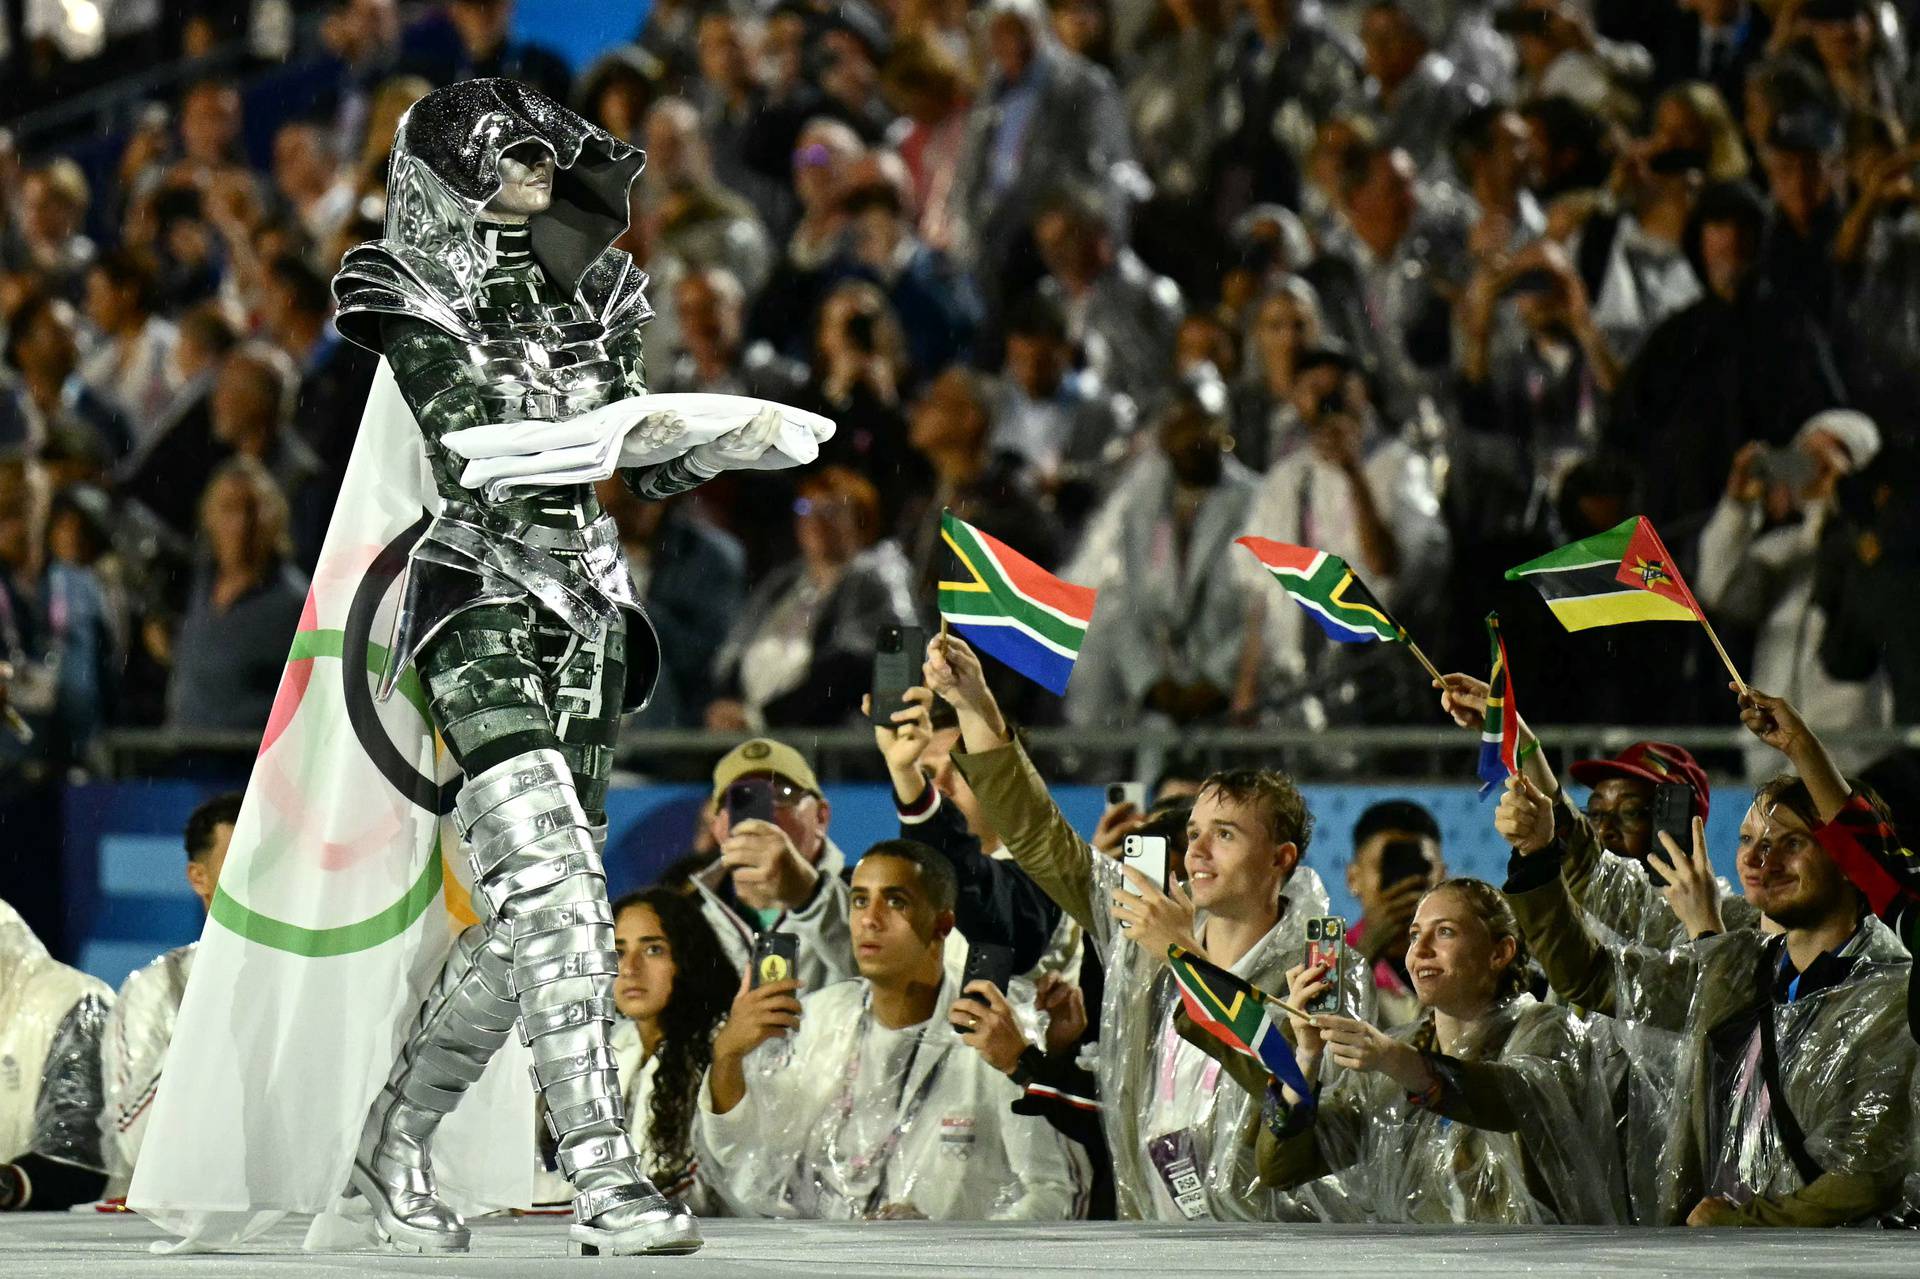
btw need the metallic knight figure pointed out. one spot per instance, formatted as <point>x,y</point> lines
<point>496,299</point>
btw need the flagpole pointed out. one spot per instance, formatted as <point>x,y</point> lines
<point>1720,648</point>
<point>1422,658</point>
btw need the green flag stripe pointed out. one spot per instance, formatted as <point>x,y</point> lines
<point>1320,587</point>
<point>321,943</point>
<point>1601,548</point>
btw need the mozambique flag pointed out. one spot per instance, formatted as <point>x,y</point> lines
<point>1622,575</point>
<point>1235,1012</point>
<point>1500,729</point>
<point>1013,609</point>
<point>1325,586</point>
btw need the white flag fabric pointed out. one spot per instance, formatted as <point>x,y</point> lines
<point>340,898</point>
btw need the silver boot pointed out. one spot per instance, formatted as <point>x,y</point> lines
<point>462,1023</point>
<point>537,865</point>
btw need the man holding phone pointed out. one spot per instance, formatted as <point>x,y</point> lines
<point>880,1110</point>
<point>1396,861</point>
<point>778,868</point>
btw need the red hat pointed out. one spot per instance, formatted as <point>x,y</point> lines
<point>1654,762</point>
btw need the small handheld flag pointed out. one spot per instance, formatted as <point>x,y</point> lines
<point>1234,1011</point>
<point>1327,588</point>
<point>1500,729</point>
<point>1011,608</point>
<point>1625,574</point>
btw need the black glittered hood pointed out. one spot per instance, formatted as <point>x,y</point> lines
<point>446,167</point>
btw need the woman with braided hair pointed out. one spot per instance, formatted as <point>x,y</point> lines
<point>1491,1108</point>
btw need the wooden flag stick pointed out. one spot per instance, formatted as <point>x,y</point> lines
<point>1285,1007</point>
<point>1422,658</point>
<point>1721,649</point>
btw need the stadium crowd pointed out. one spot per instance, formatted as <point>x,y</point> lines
<point>1434,285</point>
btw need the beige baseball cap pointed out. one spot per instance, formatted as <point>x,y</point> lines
<point>763,755</point>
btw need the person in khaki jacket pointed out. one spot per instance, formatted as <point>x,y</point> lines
<point>1173,1123</point>
<point>1789,1100</point>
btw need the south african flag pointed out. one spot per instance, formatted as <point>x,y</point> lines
<point>1500,727</point>
<point>1326,587</point>
<point>1013,609</point>
<point>1234,1011</point>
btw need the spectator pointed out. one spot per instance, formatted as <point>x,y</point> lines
<point>309,176</point>
<point>50,1023</point>
<point>1570,147</point>
<point>45,236</point>
<point>824,161</point>
<point>1712,40</point>
<point>800,649</point>
<point>1757,556</point>
<point>168,474</point>
<point>335,376</point>
<point>672,994</point>
<point>1172,100</point>
<point>832,1132</point>
<point>1758,367</point>
<point>1122,316</point>
<point>1283,326</point>
<point>1167,634</point>
<point>472,40</point>
<point>1560,55</point>
<point>1413,94</point>
<point>133,1045</point>
<point>1493,154</point>
<point>849,49</point>
<point>860,372</point>
<point>1063,423</point>
<point>1803,210</point>
<point>1845,41</point>
<point>1270,244</point>
<point>1544,386</point>
<point>713,355</point>
<point>668,35</point>
<point>785,874</point>
<point>1046,116</point>
<point>1827,989</point>
<point>52,412</point>
<point>1632,261</point>
<point>210,123</point>
<point>936,305</point>
<point>250,410</point>
<point>731,100</point>
<point>128,369</point>
<point>1396,862</point>
<point>1529,1086</point>
<point>618,90</point>
<point>696,221</point>
<point>1346,485</point>
<point>56,632</point>
<point>1248,832</point>
<point>930,88</point>
<point>692,578</point>
<point>1383,278</point>
<point>246,600</point>
<point>951,427</point>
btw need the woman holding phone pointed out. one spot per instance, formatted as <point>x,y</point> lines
<point>1490,1108</point>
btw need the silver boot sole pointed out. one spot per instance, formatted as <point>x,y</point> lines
<point>395,1231</point>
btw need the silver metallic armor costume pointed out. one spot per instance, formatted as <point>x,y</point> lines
<point>521,618</point>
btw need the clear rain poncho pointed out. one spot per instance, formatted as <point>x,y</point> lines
<point>1521,1133</point>
<point>1617,894</point>
<point>852,1120</point>
<point>1703,1120</point>
<point>1168,1109</point>
<point>51,1017</point>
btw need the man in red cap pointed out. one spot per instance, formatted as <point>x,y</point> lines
<point>1621,806</point>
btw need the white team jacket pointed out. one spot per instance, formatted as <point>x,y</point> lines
<point>133,1047</point>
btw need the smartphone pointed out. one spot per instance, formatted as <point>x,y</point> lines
<point>1327,944</point>
<point>898,652</point>
<point>987,962</point>
<point>1672,813</point>
<point>749,800</point>
<point>1786,466</point>
<point>1148,855</point>
<point>776,957</point>
<point>1134,793</point>
<point>1401,860</point>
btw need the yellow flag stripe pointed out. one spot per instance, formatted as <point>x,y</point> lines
<point>1577,613</point>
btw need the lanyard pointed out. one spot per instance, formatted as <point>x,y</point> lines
<point>906,1108</point>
